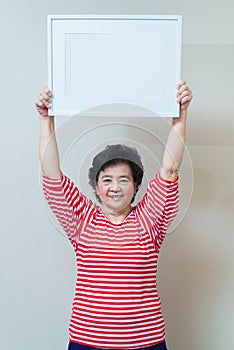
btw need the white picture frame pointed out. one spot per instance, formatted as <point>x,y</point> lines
<point>114,65</point>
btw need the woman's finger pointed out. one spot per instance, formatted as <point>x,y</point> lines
<point>46,94</point>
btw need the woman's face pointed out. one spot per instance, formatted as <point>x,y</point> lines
<point>116,188</point>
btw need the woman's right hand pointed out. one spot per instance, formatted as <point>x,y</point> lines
<point>43,102</point>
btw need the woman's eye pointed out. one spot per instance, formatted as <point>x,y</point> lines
<point>106,181</point>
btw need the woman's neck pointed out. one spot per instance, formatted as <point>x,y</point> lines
<point>117,217</point>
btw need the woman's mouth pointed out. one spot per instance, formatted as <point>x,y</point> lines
<point>115,197</point>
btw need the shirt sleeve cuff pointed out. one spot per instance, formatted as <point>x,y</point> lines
<point>53,181</point>
<point>167,183</point>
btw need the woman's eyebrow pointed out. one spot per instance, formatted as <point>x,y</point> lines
<point>103,176</point>
<point>121,176</point>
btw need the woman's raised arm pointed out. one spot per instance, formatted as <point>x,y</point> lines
<point>48,148</point>
<point>174,149</point>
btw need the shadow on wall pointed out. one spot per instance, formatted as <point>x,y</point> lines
<point>195,279</point>
<point>204,187</point>
<point>195,270</point>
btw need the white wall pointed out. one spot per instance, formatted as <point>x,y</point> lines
<point>37,266</point>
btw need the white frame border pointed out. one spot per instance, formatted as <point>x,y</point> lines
<point>51,18</point>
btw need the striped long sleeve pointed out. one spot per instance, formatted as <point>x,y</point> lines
<point>159,207</point>
<point>67,203</point>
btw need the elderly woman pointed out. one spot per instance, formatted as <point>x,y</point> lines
<point>116,303</point>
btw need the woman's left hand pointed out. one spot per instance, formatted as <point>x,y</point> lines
<point>184,95</point>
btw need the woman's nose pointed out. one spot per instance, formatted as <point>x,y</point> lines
<point>115,186</point>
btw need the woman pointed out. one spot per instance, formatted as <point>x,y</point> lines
<point>116,304</point>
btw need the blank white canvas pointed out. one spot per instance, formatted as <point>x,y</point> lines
<point>110,65</point>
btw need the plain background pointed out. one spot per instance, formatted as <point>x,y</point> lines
<point>196,265</point>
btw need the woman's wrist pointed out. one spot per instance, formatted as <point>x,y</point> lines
<point>46,120</point>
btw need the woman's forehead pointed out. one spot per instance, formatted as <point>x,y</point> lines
<point>119,168</point>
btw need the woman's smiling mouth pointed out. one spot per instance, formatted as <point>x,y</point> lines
<point>115,196</point>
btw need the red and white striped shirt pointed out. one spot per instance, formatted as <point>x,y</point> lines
<point>116,303</point>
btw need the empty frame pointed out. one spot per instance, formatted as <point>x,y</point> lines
<point>114,65</point>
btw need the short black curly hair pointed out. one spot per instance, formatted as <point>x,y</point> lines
<point>116,154</point>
